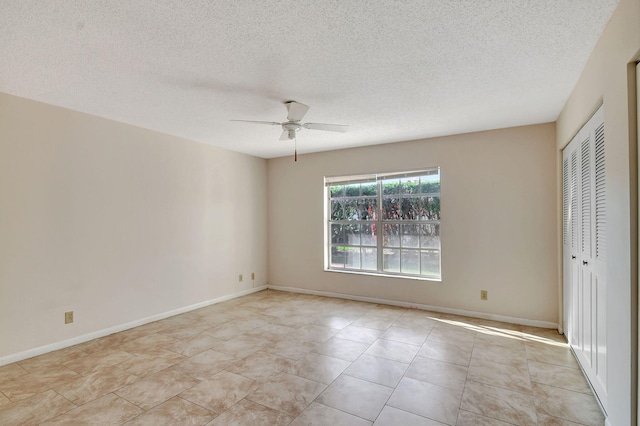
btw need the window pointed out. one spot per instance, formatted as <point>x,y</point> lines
<point>384,223</point>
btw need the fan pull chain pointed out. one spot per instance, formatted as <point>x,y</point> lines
<point>295,148</point>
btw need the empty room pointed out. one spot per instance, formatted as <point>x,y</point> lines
<point>319,212</point>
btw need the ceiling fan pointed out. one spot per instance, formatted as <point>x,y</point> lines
<point>296,112</point>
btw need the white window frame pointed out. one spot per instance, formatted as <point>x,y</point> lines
<point>380,222</point>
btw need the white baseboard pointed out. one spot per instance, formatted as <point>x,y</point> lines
<point>473,314</point>
<point>107,331</point>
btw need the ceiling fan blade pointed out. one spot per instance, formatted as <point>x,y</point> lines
<point>285,135</point>
<point>329,127</point>
<point>296,110</point>
<point>272,123</point>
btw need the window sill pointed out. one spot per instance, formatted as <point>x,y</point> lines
<point>375,274</point>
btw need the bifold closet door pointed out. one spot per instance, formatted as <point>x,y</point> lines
<point>584,250</point>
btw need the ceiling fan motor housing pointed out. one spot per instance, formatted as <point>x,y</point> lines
<point>291,127</point>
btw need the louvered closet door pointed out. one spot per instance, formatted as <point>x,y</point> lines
<point>584,251</point>
<point>571,249</point>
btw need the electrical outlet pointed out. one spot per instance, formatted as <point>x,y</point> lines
<point>253,275</point>
<point>68,317</point>
<point>484,295</point>
<point>240,277</point>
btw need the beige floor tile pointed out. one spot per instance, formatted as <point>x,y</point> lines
<point>320,415</point>
<point>335,322</point>
<point>421,313</point>
<point>30,384</point>
<point>457,337</point>
<point>112,341</point>
<point>394,417</point>
<point>148,342</point>
<point>151,361</point>
<point>458,325</point>
<point>205,364</point>
<point>510,356</point>
<point>498,326</point>
<point>377,370</point>
<point>376,322</point>
<point>422,323</point>
<point>294,320</point>
<point>426,400</point>
<point>184,332</point>
<point>287,393</point>
<point>219,392</point>
<point>157,388</point>
<point>504,339</point>
<point>345,349</point>
<point>107,410</point>
<point>178,320</point>
<point>142,330</point>
<point>175,411</point>
<point>498,403</point>
<point>11,371</point>
<point>355,396</point>
<point>443,351</point>
<point>45,362</point>
<point>4,401</point>
<point>500,375</point>
<point>387,310</point>
<point>554,353</point>
<point>261,366</point>
<point>466,418</point>
<point>193,346</point>
<point>95,385</point>
<point>459,319</point>
<point>360,334</point>
<point>319,368</point>
<point>242,346</point>
<point>98,360</point>
<point>558,376</point>
<point>290,347</point>
<point>546,420</point>
<point>395,351</point>
<point>438,373</point>
<point>249,413</point>
<point>568,405</point>
<point>543,335</point>
<point>272,332</point>
<point>227,331</point>
<point>315,333</point>
<point>35,409</point>
<point>406,335</point>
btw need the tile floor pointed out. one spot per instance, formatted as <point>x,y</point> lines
<point>277,358</point>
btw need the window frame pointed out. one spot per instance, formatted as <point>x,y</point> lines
<point>380,223</point>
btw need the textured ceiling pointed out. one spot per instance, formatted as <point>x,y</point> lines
<point>392,70</point>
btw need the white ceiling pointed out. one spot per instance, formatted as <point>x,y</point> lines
<point>392,70</point>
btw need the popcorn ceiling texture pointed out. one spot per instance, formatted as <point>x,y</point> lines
<point>392,70</point>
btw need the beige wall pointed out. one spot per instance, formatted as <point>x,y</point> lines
<point>498,221</point>
<point>605,79</point>
<point>116,223</point>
